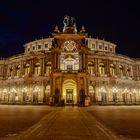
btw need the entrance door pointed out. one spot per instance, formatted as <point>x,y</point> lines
<point>69,95</point>
<point>69,92</point>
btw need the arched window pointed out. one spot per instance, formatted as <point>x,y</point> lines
<point>18,70</point>
<point>48,68</point>
<point>37,69</point>
<point>70,63</point>
<point>91,68</point>
<point>101,68</point>
<point>11,72</point>
<point>128,72</point>
<point>112,69</point>
<point>27,69</point>
<point>121,70</point>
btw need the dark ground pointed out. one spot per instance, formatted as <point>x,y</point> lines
<point>122,120</point>
<point>14,119</point>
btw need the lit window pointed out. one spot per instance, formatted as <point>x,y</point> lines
<point>100,47</point>
<point>11,72</point>
<point>37,69</point>
<point>39,46</point>
<point>90,67</point>
<point>101,68</point>
<point>48,68</point>
<point>27,69</point>
<point>106,48</point>
<point>46,46</point>
<point>33,47</point>
<point>111,49</point>
<point>112,69</point>
<point>121,70</point>
<point>93,46</point>
<point>18,71</point>
<point>128,72</point>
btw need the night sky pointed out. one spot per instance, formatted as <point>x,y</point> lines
<point>24,21</point>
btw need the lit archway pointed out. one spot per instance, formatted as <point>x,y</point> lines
<point>101,69</point>
<point>69,91</point>
<point>92,94</point>
<point>121,70</point>
<point>48,68</point>
<point>37,69</point>
<point>112,69</point>
<point>91,68</point>
<point>27,69</point>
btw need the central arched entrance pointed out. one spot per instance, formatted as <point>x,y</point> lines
<point>70,91</point>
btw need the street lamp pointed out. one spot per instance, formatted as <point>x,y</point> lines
<point>103,94</point>
<point>4,91</point>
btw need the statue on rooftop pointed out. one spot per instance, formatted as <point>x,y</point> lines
<point>69,23</point>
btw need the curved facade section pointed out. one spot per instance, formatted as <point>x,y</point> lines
<point>38,45</point>
<point>70,68</point>
<point>101,45</point>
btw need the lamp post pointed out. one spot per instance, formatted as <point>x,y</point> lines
<point>5,92</point>
<point>134,94</point>
<point>115,91</point>
<point>24,94</point>
<point>103,94</point>
<point>36,93</point>
<point>126,91</point>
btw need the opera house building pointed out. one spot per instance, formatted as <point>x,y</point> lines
<point>69,66</point>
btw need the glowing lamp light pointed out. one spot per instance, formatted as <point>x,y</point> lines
<point>102,89</point>
<point>24,90</point>
<point>5,90</point>
<point>126,90</point>
<point>134,91</point>
<point>115,90</point>
<point>37,89</point>
<point>13,90</point>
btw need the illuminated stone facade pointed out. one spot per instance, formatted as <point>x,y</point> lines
<point>69,66</point>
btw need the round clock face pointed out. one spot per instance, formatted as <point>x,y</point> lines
<point>69,45</point>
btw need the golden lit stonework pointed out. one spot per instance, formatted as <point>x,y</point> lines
<point>70,67</point>
<point>69,45</point>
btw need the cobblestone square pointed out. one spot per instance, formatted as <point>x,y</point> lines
<point>69,123</point>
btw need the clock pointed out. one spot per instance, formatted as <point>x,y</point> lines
<point>69,45</point>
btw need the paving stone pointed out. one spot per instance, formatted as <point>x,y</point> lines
<point>67,123</point>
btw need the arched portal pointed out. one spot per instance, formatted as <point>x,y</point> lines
<point>70,91</point>
<point>92,94</point>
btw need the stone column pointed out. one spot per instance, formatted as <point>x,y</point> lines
<point>84,62</point>
<point>55,61</point>
<point>116,69</point>
<point>125,70</point>
<point>14,70</point>
<point>31,68</point>
<point>42,67</point>
<point>107,67</point>
<point>96,66</point>
<point>8,71</point>
<point>53,86</point>
<point>85,85</point>
<point>58,61</point>
<point>21,68</point>
<point>80,62</point>
<point>78,88</point>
